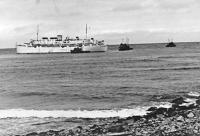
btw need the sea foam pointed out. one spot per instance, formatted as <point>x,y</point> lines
<point>193,94</point>
<point>22,113</point>
<point>122,113</point>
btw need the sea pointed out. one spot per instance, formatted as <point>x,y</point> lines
<point>41,92</point>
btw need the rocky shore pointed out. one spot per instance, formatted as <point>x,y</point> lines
<point>181,119</point>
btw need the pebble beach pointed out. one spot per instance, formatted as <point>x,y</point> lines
<point>181,119</point>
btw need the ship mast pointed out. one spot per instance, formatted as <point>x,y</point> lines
<point>86,32</point>
<point>37,31</point>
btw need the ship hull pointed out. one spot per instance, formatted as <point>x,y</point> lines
<point>40,49</point>
<point>96,48</point>
<point>30,50</point>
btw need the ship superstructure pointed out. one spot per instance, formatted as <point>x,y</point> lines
<point>57,44</point>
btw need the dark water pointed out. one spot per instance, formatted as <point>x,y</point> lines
<point>108,81</point>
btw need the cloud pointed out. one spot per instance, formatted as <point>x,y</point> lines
<point>75,14</point>
<point>21,28</point>
<point>127,8</point>
<point>134,5</point>
<point>37,1</point>
<point>156,5</point>
<point>112,18</point>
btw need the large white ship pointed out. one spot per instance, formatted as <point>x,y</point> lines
<point>60,45</point>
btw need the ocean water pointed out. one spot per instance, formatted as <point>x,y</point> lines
<point>39,92</point>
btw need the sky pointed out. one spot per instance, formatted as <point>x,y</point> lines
<point>142,21</point>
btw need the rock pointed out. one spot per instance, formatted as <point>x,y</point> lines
<point>178,101</point>
<point>195,130</point>
<point>118,134</point>
<point>180,118</point>
<point>190,115</point>
<point>79,127</point>
<point>171,112</point>
<point>42,134</point>
<point>152,109</point>
<point>179,123</point>
<point>62,133</point>
<point>173,128</point>
<point>116,128</point>
<point>97,130</point>
<point>136,118</point>
<point>155,113</point>
<point>71,133</point>
<point>32,134</point>
<point>187,120</point>
<point>158,133</point>
<point>163,127</point>
<point>160,111</point>
<point>191,106</point>
<point>94,126</point>
<point>52,132</point>
<point>138,133</point>
<point>144,132</point>
<point>198,101</point>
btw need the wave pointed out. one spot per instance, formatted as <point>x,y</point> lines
<point>193,94</point>
<point>71,96</point>
<point>189,101</point>
<point>174,68</point>
<point>36,94</point>
<point>121,113</point>
<point>22,113</point>
<point>163,97</point>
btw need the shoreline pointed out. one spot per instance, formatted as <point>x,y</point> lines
<point>181,119</point>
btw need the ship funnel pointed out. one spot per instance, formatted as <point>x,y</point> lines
<point>59,37</point>
<point>77,38</point>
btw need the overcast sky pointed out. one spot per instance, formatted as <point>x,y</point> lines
<point>143,21</point>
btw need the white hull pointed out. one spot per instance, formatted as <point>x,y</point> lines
<point>96,48</point>
<point>26,49</point>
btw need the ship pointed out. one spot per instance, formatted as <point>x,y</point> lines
<point>59,45</point>
<point>170,44</point>
<point>124,46</point>
<point>90,45</point>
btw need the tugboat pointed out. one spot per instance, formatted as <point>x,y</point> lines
<point>79,50</point>
<point>124,46</point>
<point>171,44</point>
<point>76,50</point>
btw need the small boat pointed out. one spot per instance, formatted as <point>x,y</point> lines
<point>79,50</point>
<point>124,46</point>
<point>76,50</point>
<point>170,44</point>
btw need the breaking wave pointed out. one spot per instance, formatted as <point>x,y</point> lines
<point>193,94</point>
<point>122,113</point>
<point>22,113</point>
